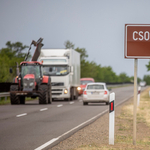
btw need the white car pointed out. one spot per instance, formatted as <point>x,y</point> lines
<point>96,93</point>
<point>142,83</point>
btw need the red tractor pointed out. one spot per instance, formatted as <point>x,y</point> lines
<point>30,82</point>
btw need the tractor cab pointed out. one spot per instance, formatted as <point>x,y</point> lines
<point>31,75</point>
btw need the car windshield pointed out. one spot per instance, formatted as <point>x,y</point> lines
<point>84,82</point>
<point>95,87</point>
<point>30,69</point>
<point>55,70</point>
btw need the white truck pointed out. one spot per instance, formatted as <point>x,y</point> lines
<point>63,66</point>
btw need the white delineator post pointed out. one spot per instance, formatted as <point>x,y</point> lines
<point>139,91</point>
<point>111,118</point>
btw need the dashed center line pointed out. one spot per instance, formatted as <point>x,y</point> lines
<point>21,115</point>
<point>43,109</point>
<point>71,102</point>
<point>59,105</point>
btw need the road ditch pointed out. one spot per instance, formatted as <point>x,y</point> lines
<point>95,136</point>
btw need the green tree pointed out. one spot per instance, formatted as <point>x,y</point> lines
<point>8,57</point>
<point>146,78</point>
<point>69,45</point>
<point>148,66</point>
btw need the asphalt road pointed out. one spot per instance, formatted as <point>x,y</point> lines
<point>33,126</point>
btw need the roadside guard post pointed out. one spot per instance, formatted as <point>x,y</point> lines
<point>136,46</point>
<point>111,118</point>
<point>139,91</point>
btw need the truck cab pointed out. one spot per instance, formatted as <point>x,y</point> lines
<point>63,66</point>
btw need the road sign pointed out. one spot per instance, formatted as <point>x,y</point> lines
<point>137,41</point>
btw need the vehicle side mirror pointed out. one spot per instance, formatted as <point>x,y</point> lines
<point>10,70</point>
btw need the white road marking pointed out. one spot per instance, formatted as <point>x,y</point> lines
<point>46,144</point>
<point>55,139</point>
<point>59,105</point>
<point>71,102</point>
<point>21,115</point>
<point>43,109</point>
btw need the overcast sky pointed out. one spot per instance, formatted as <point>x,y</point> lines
<point>96,25</point>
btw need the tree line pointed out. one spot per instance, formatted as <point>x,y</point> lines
<point>16,52</point>
<point>96,71</point>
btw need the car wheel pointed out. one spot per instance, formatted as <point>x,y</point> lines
<point>107,103</point>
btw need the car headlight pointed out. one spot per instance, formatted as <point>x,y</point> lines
<point>78,88</point>
<point>31,84</point>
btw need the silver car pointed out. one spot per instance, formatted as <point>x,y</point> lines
<point>96,93</point>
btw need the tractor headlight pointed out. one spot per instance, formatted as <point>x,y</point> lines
<point>31,84</point>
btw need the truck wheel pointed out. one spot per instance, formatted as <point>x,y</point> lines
<point>76,96</point>
<point>43,94</point>
<point>49,95</point>
<point>85,103</point>
<point>71,94</point>
<point>13,97</point>
<point>22,99</point>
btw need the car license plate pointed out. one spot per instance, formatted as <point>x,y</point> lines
<point>94,93</point>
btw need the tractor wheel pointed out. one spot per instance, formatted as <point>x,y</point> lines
<point>13,97</point>
<point>43,94</point>
<point>22,99</point>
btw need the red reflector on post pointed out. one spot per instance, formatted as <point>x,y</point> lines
<point>111,106</point>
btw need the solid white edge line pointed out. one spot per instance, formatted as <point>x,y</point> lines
<point>43,109</point>
<point>21,115</point>
<point>55,139</point>
<point>46,144</point>
<point>59,105</point>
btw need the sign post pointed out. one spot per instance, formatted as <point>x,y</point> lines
<point>137,46</point>
<point>135,101</point>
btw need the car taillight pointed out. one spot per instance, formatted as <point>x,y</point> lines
<point>105,92</point>
<point>84,93</point>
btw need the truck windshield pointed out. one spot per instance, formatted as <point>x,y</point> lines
<point>55,70</point>
<point>30,69</point>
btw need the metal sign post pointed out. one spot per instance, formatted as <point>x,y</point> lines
<point>135,101</point>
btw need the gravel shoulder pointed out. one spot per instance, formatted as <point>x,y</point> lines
<point>96,135</point>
